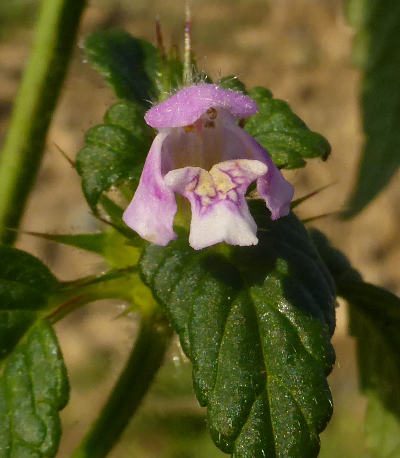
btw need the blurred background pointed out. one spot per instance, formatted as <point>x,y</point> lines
<point>299,49</point>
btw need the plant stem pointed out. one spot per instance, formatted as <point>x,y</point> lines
<point>20,158</point>
<point>124,284</point>
<point>188,58</point>
<point>144,361</point>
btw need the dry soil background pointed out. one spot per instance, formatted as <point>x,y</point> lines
<point>301,50</point>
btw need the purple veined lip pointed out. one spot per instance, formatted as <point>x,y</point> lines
<point>202,154</point>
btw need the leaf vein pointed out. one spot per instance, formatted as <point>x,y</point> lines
<point>266,370</point>
<point>233,297</point>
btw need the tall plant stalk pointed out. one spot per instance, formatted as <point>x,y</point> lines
<point>144,361</point>
<point>22,153</point>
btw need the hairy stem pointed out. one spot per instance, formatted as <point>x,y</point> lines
<point>145,359</point>
<point>20,158</point>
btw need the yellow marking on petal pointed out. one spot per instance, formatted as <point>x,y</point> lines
<point>205,185</point>
<point>222,181</point>
<point>190,128</point>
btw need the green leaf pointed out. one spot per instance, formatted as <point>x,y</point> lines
<point>117,250</point>
<point>33,388</point>
<point>130,117</point>
<point>128,64</point>
<point>296,202</point>
<point>256,324</point>
<point>94,243</point>
<point>337,263</point>
<point>25,286</point>
<point>374,322</point>
<point>382,429</point>
<point>114,153</point>
<point>282,133</point>
<point>377,52</point>
<point>33,383</point>
<point>171,74</point>
<point>232,82</point>
<point>115,212</point>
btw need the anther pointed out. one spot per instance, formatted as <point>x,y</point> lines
<point>212,113</point>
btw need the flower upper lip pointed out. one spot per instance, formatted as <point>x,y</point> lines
<point>188,104</point>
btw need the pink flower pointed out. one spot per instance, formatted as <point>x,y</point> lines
<point>201,153</point>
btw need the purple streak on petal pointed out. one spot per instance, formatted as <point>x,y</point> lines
<point>219,208</point>
<point>153,207</point>
<point>187,105</point>
<point>273,188</point>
